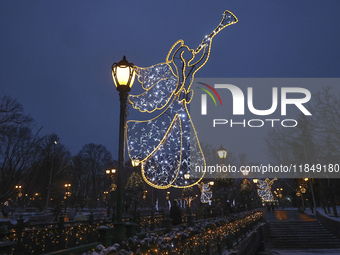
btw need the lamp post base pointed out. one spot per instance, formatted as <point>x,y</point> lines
<point>118,232</point>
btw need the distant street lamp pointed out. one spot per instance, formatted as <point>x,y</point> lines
<point>113,186</point>
<point>123,76</point>
<point>50,180</point>
<point>67,193</point>
<point>18,187</point>
<point>245,171</point>
<point>222,153</point>
<point>144,194</point>
<point>110,171</point>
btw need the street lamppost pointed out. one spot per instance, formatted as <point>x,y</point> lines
<point>255,181</point>
<point>123,76</point>
<point>67,193</point>
<point>303,191</point>
<point>50,179</point>
<point>19,194</point>
<point>113,186</point>
<point>222,154</point>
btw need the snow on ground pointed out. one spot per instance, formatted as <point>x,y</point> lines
<point>322,212</point>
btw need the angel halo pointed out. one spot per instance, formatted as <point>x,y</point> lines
<point>167,146</point>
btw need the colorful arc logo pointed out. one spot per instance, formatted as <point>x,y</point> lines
<point>204,97</point>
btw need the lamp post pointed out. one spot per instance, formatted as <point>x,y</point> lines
<point>303,191</point>
<point>113,186</point>
<point>19,194</point>
<point>123,76</point>
<point>50,179</point>
<point>222,154</point>
<point>67,193</point>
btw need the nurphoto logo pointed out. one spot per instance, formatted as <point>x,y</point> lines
<point>238,104</point>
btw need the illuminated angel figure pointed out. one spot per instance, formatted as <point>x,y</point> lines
<point>167,146</point>
<point>264,190</point>
<point>206,194</point>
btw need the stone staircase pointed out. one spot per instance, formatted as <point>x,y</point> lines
<point>300,235</point>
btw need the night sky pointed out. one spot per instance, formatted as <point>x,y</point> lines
<point>56,56</point>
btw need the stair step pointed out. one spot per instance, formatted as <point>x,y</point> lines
<point>274,233</point>
<point>303,236</point>
<point>300,235</point>
<point>304,246</point>
<point>305,239</point>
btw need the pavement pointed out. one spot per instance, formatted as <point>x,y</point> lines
<point>288,215</point>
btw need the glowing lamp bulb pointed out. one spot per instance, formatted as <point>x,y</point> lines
<point>123,75</point>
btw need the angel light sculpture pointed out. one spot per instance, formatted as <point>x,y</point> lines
<point>264,190</point>
<point>167,146</point>
<point>206,193</point>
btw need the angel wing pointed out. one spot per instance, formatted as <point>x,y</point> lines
<point>159,83</point>
<point>262,184</point>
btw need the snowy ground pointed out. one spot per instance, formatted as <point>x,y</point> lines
<point>321,211</point>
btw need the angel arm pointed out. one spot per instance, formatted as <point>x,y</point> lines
<point>228,19</point>
<point>272,182</point>
<point>201,54</point>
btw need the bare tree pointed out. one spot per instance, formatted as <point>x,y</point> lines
<point>326,112</point>
<point>90,165</point>
<point>316,139</point>
<point>19,147</point>
<point>12,112</point>
<point>53,169</point>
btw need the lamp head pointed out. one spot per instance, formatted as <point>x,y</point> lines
<point>123,75</point>
<point>222,153</point>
